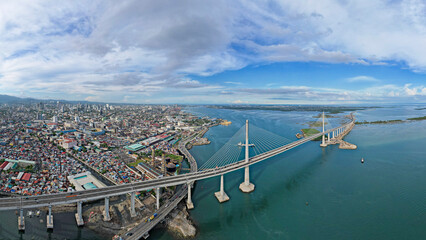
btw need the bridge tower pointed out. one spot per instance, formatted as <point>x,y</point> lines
<point>246,186</point>
<point>323,144</point>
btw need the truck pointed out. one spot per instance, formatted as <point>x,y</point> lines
<point>153,216</point>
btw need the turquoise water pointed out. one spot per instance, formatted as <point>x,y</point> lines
<point>384,198</point>
<point>80,177</point>
<point>89,186</point>
<point>315,193</point>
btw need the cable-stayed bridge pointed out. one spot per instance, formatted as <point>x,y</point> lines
<point>233,156</point>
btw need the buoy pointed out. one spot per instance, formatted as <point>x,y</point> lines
<point>307,203</point>
<point>362,160</point>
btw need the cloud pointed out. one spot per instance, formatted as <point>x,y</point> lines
<point>362,79</point>
<point>148,47</point>
<point>234,83</point>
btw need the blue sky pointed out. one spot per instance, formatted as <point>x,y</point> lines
<point>214,52</point>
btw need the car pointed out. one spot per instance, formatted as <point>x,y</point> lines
<point>129,234</point>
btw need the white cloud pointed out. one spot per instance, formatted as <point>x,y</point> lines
<point>146,47</point>
<point>362,79</point>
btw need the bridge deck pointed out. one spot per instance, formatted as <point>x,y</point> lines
<point>95,194</point>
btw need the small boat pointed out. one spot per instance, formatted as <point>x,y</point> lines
<point>362,160</point>
<point>30,214</point>
<point>38,213</point>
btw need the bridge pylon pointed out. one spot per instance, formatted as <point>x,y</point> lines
<point>246,186</point>
<point>323,143</point>
<point>221,195</point>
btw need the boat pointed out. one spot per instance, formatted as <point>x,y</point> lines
<point>30,214</point>
<point>362,160</point>
<point>38,213</point>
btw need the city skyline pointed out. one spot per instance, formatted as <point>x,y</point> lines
<point>217,52</point>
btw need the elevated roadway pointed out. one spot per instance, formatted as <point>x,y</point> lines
<point>110,191</point>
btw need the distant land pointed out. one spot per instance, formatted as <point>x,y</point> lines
<point>287,108</point>
<point>18,100</point>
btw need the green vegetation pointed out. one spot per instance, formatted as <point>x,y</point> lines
<point>380,122</point>
<point>417,118</point>
<point>307,132</point>
<point>174,157</point>
<point>316,124</point>
<point>135,163</point>
<point>325,115</point>
<point>391,121</point>
<point>158,153</point>
<point>1,160</point>
<point>197,122</point>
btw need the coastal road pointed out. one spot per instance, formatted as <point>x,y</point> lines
<point>110,191</point>
<point>143,228</point>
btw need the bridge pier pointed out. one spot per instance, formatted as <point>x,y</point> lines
<point>79,214</point>
<point>21,220</point>
<point>132,204</point>
<point>333,134</point>
<point>158,194</point>
<point>49,220</point>
<point>107,216</point>
<point>247,186</point>
<point>323,144</point>
<point>221,195</point>
<point>189,203</point>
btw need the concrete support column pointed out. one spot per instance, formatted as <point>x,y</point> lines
<point>333,134</point>
<point>107,216</point>
<point>221,195</point>
<point>189,203</point>
<point>79,214</point>
<point>323,144</point>
<point>49,220</point>
<point>21,220</point>
<point>132,204</point>
<point>246,186</point>
<point>328,137</point>
<point>158,194</point>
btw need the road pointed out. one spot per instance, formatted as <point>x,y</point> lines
<point>143,228</point>
<point>110,191</point>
